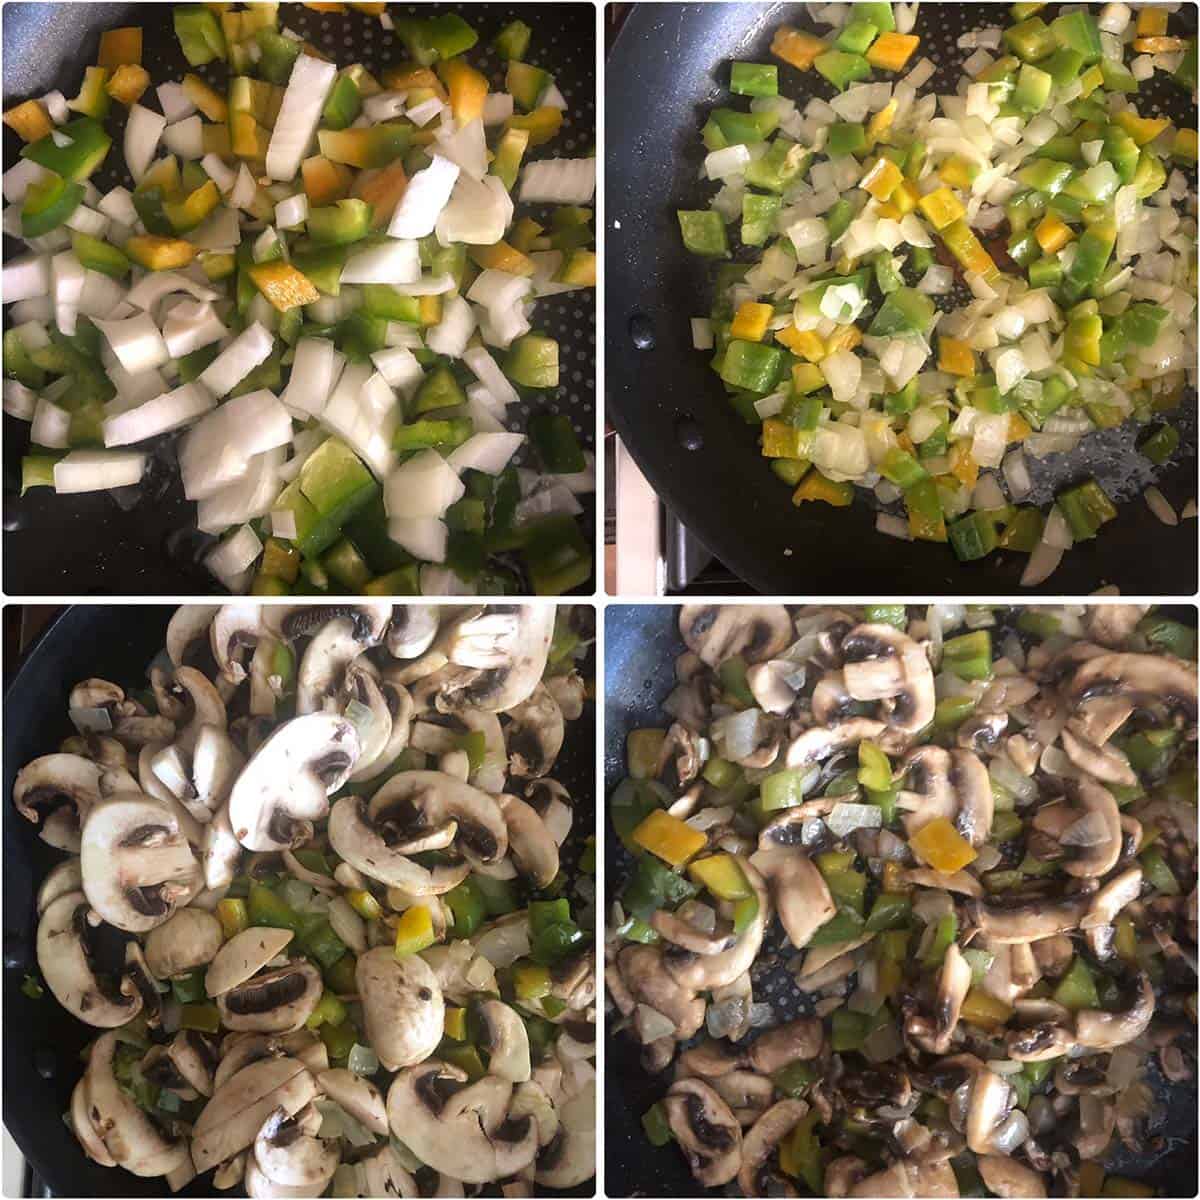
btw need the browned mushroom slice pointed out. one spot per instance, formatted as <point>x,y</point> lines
<point>707,1132</point>
<point>717,632</point>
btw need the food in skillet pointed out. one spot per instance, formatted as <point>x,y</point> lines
<point>315,303</point>
<point>938,291</point>
<point>977,830</point>
<point>313,903</point>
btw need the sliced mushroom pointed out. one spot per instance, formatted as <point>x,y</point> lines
<point>535,734</point>
<point>208,709</point>
<point>1147,679</point>
<point>1099,1030</point>
<point>1100,857</point>
<point>289,1157</point>
<point>569,1158</point>
<point>358,1096</point>
<point>325,663</point>
<point>86,1133</point>
<point>287,783</point>
<point>1102,762</point>
<point>802,1038</point>
<point>364,689</point>
<point>62,878</point>
<point>458,1130</point>
<point>881,663</point>
<point>130,1137</point>
<point>716,632</point>
<point>801,896</point>
<point>707,1132</point>
<point>220,851</point>
<point>569,692</point>
<point>907,1178</point>
<point>243,956</point>
<point>532,846</point>
<point>65,961</point>
<point>137,866</point>
<point>382,1173</point>
<point>1122,889</point>
<point>189,624</point>
<point>231,1119</point>
<point>990,1102</point>
<point>402,1006</point>
<point>189,939</point>
<point>822,742</point>
<point>1113,624</point>
<point>648,981</point>
<point>1028,920</point>
<point>755,1177</point>
<point>412,631</point>
<point>506,1040</point>
<point>216,764</point>
<point>57,782</point>
<point>278,1001</point>
<point>954,981</point>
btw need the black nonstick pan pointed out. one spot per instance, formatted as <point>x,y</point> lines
<point>667,67</point>
<point>143,540</point>
<point>641,643</point>
<point>41,1041</point>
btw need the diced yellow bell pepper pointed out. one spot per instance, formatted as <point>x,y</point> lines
<point>525,232</point>
<point>325,182</point>
<point>957,171</point>
<point>1018,428</point>
<point>283,285</point>
<point>325,6</point>
<point>881,122</point>
<point>963,466</point>
<point>120,47</point>
<point>1125,941</point>
<point>408,76</point>
<point>941,208</point>
<point>214,139</point>
<point>888,210</point>
<point>883,178</point>
<point>363,902</point>
<point>804,343</point>
<point>1152,22</point>
<point>669,838</point>
<point>906,197</point>
<point>373,7</point>
<point>542,124</point>
<point>722,875</point>
<point>780,439</point>
<point>1141,129</point>
<point>128,83</point>
<point>807,377</point>
<point>1052,234</point>
<point>890,51</point>
<point>414,931</point>
<point>816,487</point>
<point>893,878</point>
<point>456,1023</point>
<point>796,48</point>
<point>503,257</point>
<point>531,981</point>
<point>642,748</point>
<point>429,310</point>
<point>1090,80</point>
<point>955,357</point>
<point>983,1009</point>
<point>750,321</point>
<point>940,846</point>
<point>30,120</point>
<point>1184,145</point>
<point>247,137</point>
<point>1159,45</point>
<point>468,89</point>
<point>159,253</point>
<point>961,241</point>
<point>209,102</point>
<point>844,337</point>
<point>233,916</point>
<point>382,188</point>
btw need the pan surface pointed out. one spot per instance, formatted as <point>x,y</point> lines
<point>41,1040</point>
<point>144,540</point>
<point>641,643</point>
<point>667,67</point>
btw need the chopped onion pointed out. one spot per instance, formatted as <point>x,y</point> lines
<point>1160,506</point>
<point>315,371</point>
<point>1090,830</point>
<point>452,333</point>
<point>399,367</point>
<point>246,498</point>
<point>845,818</point>
<point>397,261</point>
<point>573,180</point>
<point>97,470</point>
<point>143,128</point>
<point>234,558</point>
<point>136,342</point>
<point>424,486</point>
<point>486,452</point>
<point>478,212</point>
<point>486,370</point>
<point>237,360</point>
<point>186,138</point>
<point>171,410</point>
<point>362,1060</point>
<point>424,199</point>
<point>51,424</point>
<point>466,146</point>
<point>308,88</point>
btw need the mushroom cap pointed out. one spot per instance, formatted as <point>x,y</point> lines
<point>287,783</point>
<point>364,688</point>
<point>533,847</point>
<point>137,865</point>
<point>207,706</point>
<point>278,1001</point>
<point>216,764</point>
<point>460,1131</point>
<point>991,1099</point>
<point>86,1133</point>
<point>1004,1176</point>
<point>234,628</point>
<point>822,741</point>
<point>506,1040</point>
<point>716,632</point>
<point>65,964</point>
<point>569,1158</point>
<point>402,1006</point>
<point>369,618</point>
<point>231,1119</point>
<point>646,977</point>
<point>56,780</point>
<point>882,663</point>
<point>188,939</point>
<point>325,663</point>
<point>764,1135</point>
<point>413,802</point>
<point>358,1096</point>
<point>1149,678</point>
<point>1099,858</point>
<point>383,1174</point>
<point>801,896</point>
<point>63,877</point>
<point>189,623</point>
<point>413,628</point>
<point>243,956</point>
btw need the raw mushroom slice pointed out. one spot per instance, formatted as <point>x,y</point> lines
<point>243,956</point>
<point>756,632</point>
<point>534,734</point>
<point>402,1006</point>
<point>412,631</point>
<point>54,782</point>
<point>278,1001</point>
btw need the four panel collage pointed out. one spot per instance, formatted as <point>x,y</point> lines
<point>600,599</point>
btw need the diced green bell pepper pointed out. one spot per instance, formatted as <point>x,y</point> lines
<point>532,361</point>
<point>969,656</point>
<point>557,446</point>
<point>1086,507</point>
<point>704,233</point>
<point>339,224</point>
<point>752,366</point>
<point>49,201</point>
<point>87,149</point>
<point>512,42</point>
<point>754,79</point>
<point>758,217</point>
<point>199,34</point>
<point>842,69</point>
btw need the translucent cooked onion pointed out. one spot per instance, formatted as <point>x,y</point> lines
<point>1089,830</point>
<point>738,732</point>
<point>1008,777</point>
<point>724,1017</point>
<point>882,1044</point>
<point>362,1060</point>
<point>845,818</point>
<point>652,1025</point>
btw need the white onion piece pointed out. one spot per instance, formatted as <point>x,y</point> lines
<point>26,278</point>
<point>237,360</point>
<point>292,212</point>
<point>427,194</point>
<point>136,342</point>
<point>96,470</point>
<point>315,372</point>
<point>486,370</point>
<point>191,325</point>
<point>150,289</point>
<point>174,101</point>
<point>424,486</point>
<point>498,290</point>
<point>487,452</point>
<point>478,212</point>
<point>497,108</point>
<point>232,560</point>
<point>400,368</point>
<point>246,498</point>
<point>308,88</point>
<point>19,401</point>
<point>219,171</point>
<point>467,147</point>
<point>185,138</point>
<point>421,114</point>
<point>143,128</point>
<point>393,262</point>
<point>422,537</point>
<point>51,424</point>
<point>67,278</point>
<point>160,415</point>
<point>218,450</point>
<point>452,333</point>
<point>442,581</point>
